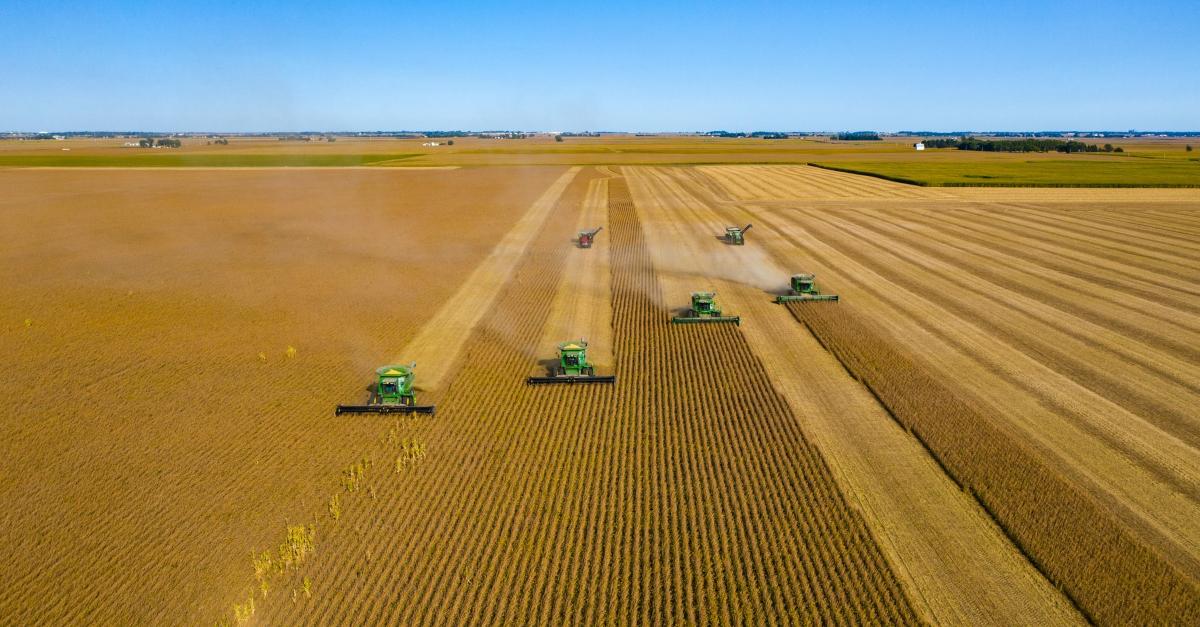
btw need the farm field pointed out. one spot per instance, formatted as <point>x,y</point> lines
<point>995,425</point>
<point>1145,162</point>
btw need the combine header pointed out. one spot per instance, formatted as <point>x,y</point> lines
<point>393,394</point>
<point>804,289</point>
<point>573,367</point>
<point>587,237</point>
<point>736,235</point>
<point>704,309</point>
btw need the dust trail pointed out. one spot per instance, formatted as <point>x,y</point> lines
<point>440,342</point>
<point>684,236</point>
<point>582,306</point>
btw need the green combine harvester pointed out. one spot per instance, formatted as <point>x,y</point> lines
<point>736,235</point>
<point>804,289</point>
<point>573,367</point>
<point>393,394</point>
<point>704,309</point>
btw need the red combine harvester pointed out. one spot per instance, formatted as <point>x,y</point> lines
<point>587,237</point>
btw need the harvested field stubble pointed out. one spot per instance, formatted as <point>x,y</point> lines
<point>1114,578</point>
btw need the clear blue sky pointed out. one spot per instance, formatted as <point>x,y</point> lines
<point>254,66</point>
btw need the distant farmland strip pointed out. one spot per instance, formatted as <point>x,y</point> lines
<point>159,159</point>
<point>1114,578</point>
<point>1083,172</point>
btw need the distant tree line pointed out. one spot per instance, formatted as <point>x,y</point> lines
<point>165,142</point>
<point>769,135</point>
<point>858,136</point>
<point>1019,145</point>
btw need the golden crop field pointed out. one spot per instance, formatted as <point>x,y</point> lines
<point>996,424</point>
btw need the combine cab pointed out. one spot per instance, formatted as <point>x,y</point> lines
<point>736,235</point>
<point>704,309</point>
<point>804,289</point>
<point>587,237</point>
<point>572,367</point>
<point>393,394</point>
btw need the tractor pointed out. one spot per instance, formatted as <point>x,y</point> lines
<point>704,309</point>
<point>736,235</point>
<point>393,394</point>
<point>587,237</point>
<point>573,367</point>
<point>804,289</point>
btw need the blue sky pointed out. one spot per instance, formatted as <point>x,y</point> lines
<point>256,66</point>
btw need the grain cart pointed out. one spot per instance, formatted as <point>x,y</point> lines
<point>573,367</point>
<point>704,309</point>
<point>393,394</point>
<point>736,235</point>
<point>804,289</point>
<point>587,237</point>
